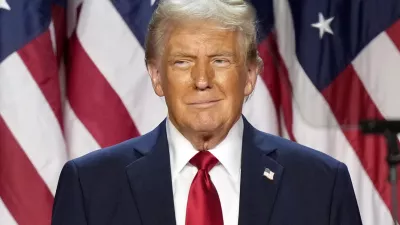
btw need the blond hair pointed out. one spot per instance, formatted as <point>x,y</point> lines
<point>231,14</point>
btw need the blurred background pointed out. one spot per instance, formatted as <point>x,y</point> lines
<point>73,80</point>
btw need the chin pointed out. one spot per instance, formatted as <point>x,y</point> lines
<point>204,128</point>
<point>205,123</point>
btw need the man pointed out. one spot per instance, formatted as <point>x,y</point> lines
<point>205,164</point>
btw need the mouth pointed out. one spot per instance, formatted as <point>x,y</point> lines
<point>204,103</point>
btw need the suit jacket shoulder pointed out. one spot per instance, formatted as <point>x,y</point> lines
<point>313,179</point>
<point>92,188</point>
<point>118,156</point>
<point>281,178</point>
<point>293,155</point>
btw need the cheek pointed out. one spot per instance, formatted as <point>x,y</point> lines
<point>176,83</point>
<point>230,82</point>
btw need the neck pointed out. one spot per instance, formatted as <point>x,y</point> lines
<point>205,140</point>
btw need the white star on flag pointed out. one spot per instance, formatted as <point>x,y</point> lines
<point>4,5</point>
<point>323,25</point>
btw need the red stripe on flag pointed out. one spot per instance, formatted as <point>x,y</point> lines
<point>371,149</point>
<point>270,75</point>
<point>21,188</point>
<point>59,21</point>
<point>394,33</point>
<point>94,101</point>
<point>276,78</point>
<point>39,58</point>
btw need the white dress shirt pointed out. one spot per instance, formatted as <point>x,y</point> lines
<point>225,175</point>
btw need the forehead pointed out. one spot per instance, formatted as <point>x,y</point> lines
<point>201,36</point>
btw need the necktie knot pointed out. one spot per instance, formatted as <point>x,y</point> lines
<point>204,160</point>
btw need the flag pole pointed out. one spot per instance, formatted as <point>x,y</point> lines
<point>390,129</point>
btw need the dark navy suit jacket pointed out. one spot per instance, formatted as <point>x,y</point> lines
<point>130,184</point>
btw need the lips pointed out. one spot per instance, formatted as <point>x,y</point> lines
<point>204,103</point>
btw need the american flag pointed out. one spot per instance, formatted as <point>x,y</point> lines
<point>73,80</point>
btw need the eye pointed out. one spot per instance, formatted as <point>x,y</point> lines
<point>182,63</point>
<point>221,62</point>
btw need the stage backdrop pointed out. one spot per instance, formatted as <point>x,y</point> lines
<point>73,80</point>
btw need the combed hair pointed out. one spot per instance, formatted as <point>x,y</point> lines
<point>231,14</point>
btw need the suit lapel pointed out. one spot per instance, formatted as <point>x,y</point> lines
<point>258,192</point>
<point>151,185</point>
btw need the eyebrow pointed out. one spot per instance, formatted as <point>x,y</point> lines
<point>228,54</point>
<point>182,54</point>
<point>189,55</point>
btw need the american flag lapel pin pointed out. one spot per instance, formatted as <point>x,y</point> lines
<point>269,174</point>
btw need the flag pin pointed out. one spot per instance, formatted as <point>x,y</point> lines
<point>269,174</point>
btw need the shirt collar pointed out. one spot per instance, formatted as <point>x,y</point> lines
<point>228,152</point>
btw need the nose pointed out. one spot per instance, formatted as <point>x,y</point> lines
<point>202,74</point>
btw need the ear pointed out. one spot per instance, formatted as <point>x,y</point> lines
<point>251,78</point>
<point>155,75</point>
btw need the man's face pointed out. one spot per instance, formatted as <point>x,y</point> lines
<point>203,76</point>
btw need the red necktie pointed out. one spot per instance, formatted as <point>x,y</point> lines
<point>204,207</point>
